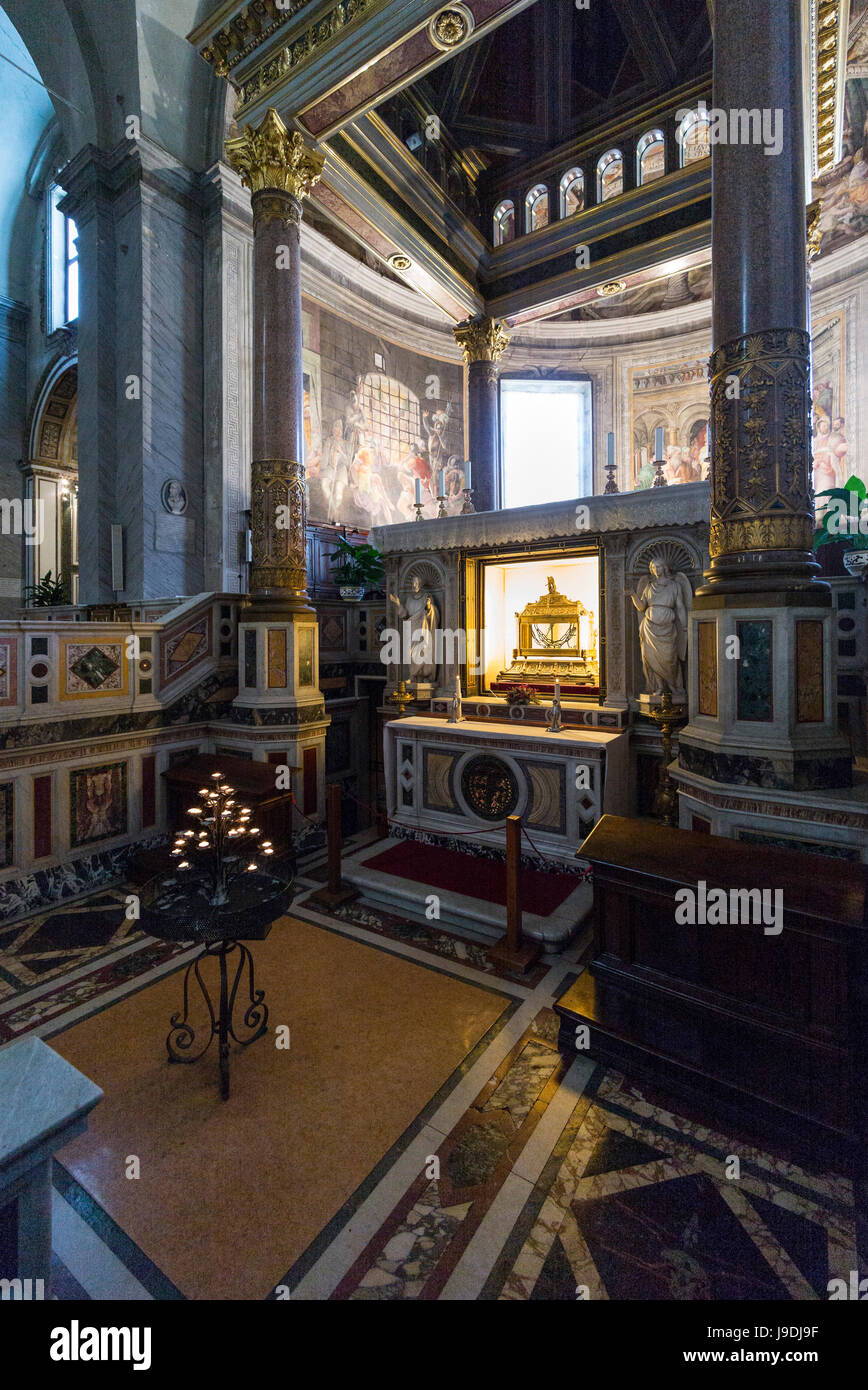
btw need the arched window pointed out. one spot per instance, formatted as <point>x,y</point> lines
<point>504,222</point>
<point>572,192</point>
<point>692,136</point>
<point>650,157</point>
<point>536,208</point>
<point>62,263</point>
<point>610,175</point>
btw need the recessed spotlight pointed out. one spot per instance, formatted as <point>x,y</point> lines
<point>399,261</point>
<point>611,287</point>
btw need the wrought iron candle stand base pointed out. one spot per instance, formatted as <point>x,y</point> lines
<point>182,1035</point>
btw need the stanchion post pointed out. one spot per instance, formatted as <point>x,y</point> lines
<point>511,951</point>
<point>336,891</point>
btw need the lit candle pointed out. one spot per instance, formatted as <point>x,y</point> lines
<point>441,483</point>
<point>467,473</point>
<point>610,449</point>
<point>419,491</point>
<point>557,690</point>
<point>658,442</point>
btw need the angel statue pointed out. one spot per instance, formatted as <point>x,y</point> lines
<point>664,601</point>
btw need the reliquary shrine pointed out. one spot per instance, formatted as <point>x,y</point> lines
<point>522,607</point>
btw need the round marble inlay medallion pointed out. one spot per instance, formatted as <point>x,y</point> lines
<point>489,787</point>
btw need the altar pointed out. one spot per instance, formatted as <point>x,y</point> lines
<point>461,781</point>
<point>518,609</point>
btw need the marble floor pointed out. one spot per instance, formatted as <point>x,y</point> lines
<point>422,1138</point>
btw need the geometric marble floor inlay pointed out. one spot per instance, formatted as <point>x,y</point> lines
<point>423,1138</point>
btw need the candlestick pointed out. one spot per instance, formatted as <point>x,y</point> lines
<point>418,506</point>
<point>468,507</point>
<point>441,498</point>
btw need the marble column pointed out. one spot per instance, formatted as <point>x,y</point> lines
<point>762,681</point>
<point>278,635</point>
<point>483,342</point>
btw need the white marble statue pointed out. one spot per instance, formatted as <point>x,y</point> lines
<point>663,601</point>
<point>420,654</point>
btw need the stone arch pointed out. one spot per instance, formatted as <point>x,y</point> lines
<point>678,553</point>
<point>50,470</point>
<point>52,425</point>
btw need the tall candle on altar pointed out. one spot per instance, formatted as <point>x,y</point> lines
<point>610,449</point>
<point>419,491</point>
<point>467,473</point>
<point>441,483</point>
<point>557,691</point>
<point>658,442</point>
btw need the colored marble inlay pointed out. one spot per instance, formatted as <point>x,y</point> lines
<point>309,781</point>
<point>181,650</point>
<point>97,803</point>
<point>754,671</point>
<point>41,817</point>
<point>810,705</point>
<point>706,641</point>
<point>92,669</point>
<point>277,658</point>
<point>7,802</point>
<point>250,658</point>
<point>149,797</point>
<point>9,672</point>
<point>304,636</point>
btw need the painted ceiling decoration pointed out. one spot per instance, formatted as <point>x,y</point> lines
<point>448,127</point>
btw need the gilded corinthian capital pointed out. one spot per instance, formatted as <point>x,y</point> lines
<point>481,340</point>
<point>268,156</point>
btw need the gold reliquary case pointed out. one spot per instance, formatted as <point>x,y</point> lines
<point>557,640</point>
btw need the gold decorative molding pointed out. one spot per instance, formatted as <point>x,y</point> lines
<point>481,340</point>
<point>268,156</point>
<point>761,444</point>
<point>812,228</point>
<point>250,28</point>
<point>306,45</point>
<point>825,26</point>
<point>450,27</point>
<point>279,551</point>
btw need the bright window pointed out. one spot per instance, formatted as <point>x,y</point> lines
<point>650,157</point>
<point>504,222</point>
<point>536,208</point>
<point>610,176</point>
<point>62,262</point>
<point>546,440</point>
<point>572,192</point>
<point>693,136</point>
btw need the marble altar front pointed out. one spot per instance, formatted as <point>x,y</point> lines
<point>462,781</point>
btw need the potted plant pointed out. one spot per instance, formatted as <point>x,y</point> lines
<point>844,521</point>
<point>47,593</point>
<point>356,568</point>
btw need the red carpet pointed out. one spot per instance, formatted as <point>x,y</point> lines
<point>453,872</point>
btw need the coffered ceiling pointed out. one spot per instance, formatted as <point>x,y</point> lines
<point>428,114</point>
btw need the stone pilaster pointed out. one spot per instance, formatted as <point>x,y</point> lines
<point>140,399</point>
<point>228,336</point>
<point>762,702</point>
<point>483,342</point>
